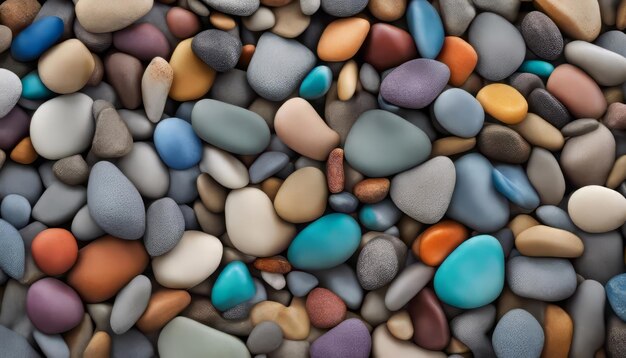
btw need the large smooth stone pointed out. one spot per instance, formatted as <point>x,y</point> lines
<point>459,113</point>
<point>59,203</point>
<point>587,159</point>
<point>500,46</point>
<point>342,39</point>
<point>541,240</point>
<point>407,284</point>
<point>229,127</point>
<point>98,17</point>
<point>518,335</point>
<point>299,206</point>
<point>62,126</point>
<point>316,83</point>
<point>512,182</point>
<point>34,40</point>
<point>11,89</point>
<point>426,27</point>
<point>379,262</point>
<point>66,67</point>
<point>597,209</point>
<point>388,46</point>
<point>606,67</point>
<point>12,256</point>
<point>33,88</point>
<point>350,338</point>
<point>177,144</point>
<point>607,248</point>
<point>15,345</point>
<point>184,337</point>
<point>194,258</point>
<point>381,143</point>
<point>253,226</point>
<point>278,66</point>
<point>114,202</point>
<point>424,192</point>
<point>473,274</point>
<point>233,286</point>
<point>325,243</point>
<point>580,21</point>
<point>546,279</point>
<point>616,295</point>
<point>475,201</point>
<point>415,84</point>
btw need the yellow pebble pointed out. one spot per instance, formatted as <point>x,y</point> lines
<point>347,80</point>
<point>503,102</point>
<point>192,77</point>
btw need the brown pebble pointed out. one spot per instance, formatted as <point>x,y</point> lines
<point>615,117</point>
<point>617,174</point>
<point>222,21</point>
<point>276,264</point>
<point>211,223</point>
<point>545,241</point>
<point>620,16</point>
<point>558,330</point>
<point>182,22</point>
<point>373,190</point>
<point>388,46</point>
<point>71,170</point>
<point>539,132</point>
<point>613,95</point>
<point>124,73</point>
<point>78,337</point>
<point>450,146</point>
<point>66,67</point>
<point>270,187</point>
<point>98,71</point>
<point>24,152</point>
<point>17,14</point>
<point>387,10</point>
<point>522,222</point>
<point>212,194</point>
<point>334,171</point>
<point>163,306</point>
<point>430,322</point>
<point>99,346</point>
<point>503,144</point>
<point>325,309</point>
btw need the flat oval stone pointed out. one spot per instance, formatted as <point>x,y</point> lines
<point>262,19</point>
<point>53,307</point>
<point>615,289</point>
<point>546,279</point>
<point>342,39</point>
<point>59,203</point>
<point>381,143</point>
<point>459,113</point>
<point>233,286</point>
<point>162,307</point>
<point>475,202</point>
<point>545,105</point>
<point>379,216</point>
<point>165,226</point>
<point>597,209</point>
<point>192,77</point>
<point>97,17</point>
<point>540,132</point>
<point>224,168</point>
<point>582,21</point>
<point>607,68</point>
<point>218,49</point>
<point>585,308</point>
<point>177,144</point>
<point>407,284</point>
<point>544,173</point>
<point>500,143</point>
<point>62,126</point>
<point>577,91</point>
<point>66,67</point>
<point>343,202</point>
<point>349,339</point>
<point>290,20</point>
<point>297,206</point>
<point>512,182</point>
<point>34,40</point>
<point>555,217</point>
<point>542,36</point>
<point>13,255</point>
<point>130,303</point>
<point>503,102</point>
<point>300,283</point>
<point>318,246</point>
<point>588,159</point>
<point>430,324</point>
<point>518,334</point>
<point>194,258</point>
<point>316,83</point>
<point>541,240</point>
<point>229,127</point>
<point>489,32</point>
<point>473,274</point>
<point>143,41</point>
<point>415,84</point>
<point>426,27</point>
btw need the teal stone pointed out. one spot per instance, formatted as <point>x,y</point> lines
<point>537,67</point>
<point>232,128</point>
<point>33,88</point>
<point>327,242</point>
<point>381,143</point>
<point>379,216</point>
<point>426,28</point>
<point>233,286</point>
<point>316,83</point>
<point>473,274</point>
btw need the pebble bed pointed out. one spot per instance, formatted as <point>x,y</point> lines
<point>312,178</point>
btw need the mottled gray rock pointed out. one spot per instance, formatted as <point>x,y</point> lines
<point>165,226</point>
<point>555,217</point>
<point>71,170</point>
<point>542,36</point>
<point>140,127</point>
<point>217,48</point>
<point>456,15</point>
<point>232,87</point>
<point>379,262</point>
<point>407,284</point>
<point>546,106</point>
<point>266,165</point>
<point>541,278</point>
<point>15,209</point>
<point>144,168</point>
<point>343,282</point>
<point>471,328</point>
<point>265,337</point>
<point>586,308</point>
<point>343,8</point>
<point>14,345</point>
<point>130,303</point>
<point>52,345</point>
<point>602,258</point>
<point>183,185</point>
<point>20,179</point>
<point>132,344</point>
<point>518,335</point>
<point>59,203</point>
<point>239,7</point>
<point>343,202</point>
<point>111,139</point>
<point>12,255</point>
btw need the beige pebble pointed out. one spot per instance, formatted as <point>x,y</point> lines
<point>99,346</point>
<point>456,347</point>
<point>546,241</point>
<point>6,36</point>
<point>537,131</point>
<point>579,19</point>
<point>302,196</point>
<point>155,87</point>
<point>261,20</point>
<point>212,194</point>
<point>98,71</point>
<point>293,320</point>
<point>290,21</point>
<point>222,21</point>
<point>613,94</point>
<point>617,174</point>
<point>66,67</point>
<point>385,345</point>
<point>347,80</point>
<point>522,222</point>
<point>400,325</point>
<point>387,10</point>
<point>449,146</point>
<point>225,168</point>
<point>211,223</point>
<point>99,16</point>
<point>597,209</point>
<point>299,126</point>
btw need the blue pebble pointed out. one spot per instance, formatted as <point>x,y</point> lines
<point>343,202</point>
<point>177,144</point>
<point>473,274</point>
<point>15,209</point>
<point>380,216</point>
<point>13,253</point>
<point>616,294</point>
<point>33,88</point>
<point>540,68</point>
<point>426,28</point>
<point>37,38</point>
<point>233,286</point>
<point>512,182</point>
<point>325,243</point>
<point>316,83</point>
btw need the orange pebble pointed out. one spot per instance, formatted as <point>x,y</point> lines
<point>54,251</point>
<point>438,241</point>
<point>222,21</point>
<point>246,55</point>
<point>24,152</point>
<point>460,57</point>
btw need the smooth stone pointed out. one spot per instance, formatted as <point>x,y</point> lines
<point>274,280</point>
<point>581,22</point>
<point>588,159</point>
<point>472,327</point>
<point>586,101</point>
<point>52,345</point>
<point>607,68</point>
<point>518,334</point>
<point>343,8</point>
<point>53,307</point>
<point>616,331</point>
<point>503,102</point>
<point>343,281</point>
<point>292,319</point>
<point>537,67</point>
<point>94,42</point>
<point>143,167</point>
<point>238,8</point>
<point>407,284</point>
<point>84,227</point>
<point>475,202</point>
<point>59,203</point>
<point>597,209</point>
<point>317,246</point>
<point>62,126</point>
<point>98,18</point>
<point>192,77</point>
<point>547,241</point>
<point>379,216</point>
<point>350,338</point>
<point>125,73</point>
<point>586,309</point>
<point>539,132</point>
<point>15,209</point>
<point>426,28</point>
<point>114,202</point>
<point>250,214</point>
<point>278,66</point>
<point>310,7</point>
<point>555,217</point>
<point>265,337</point>
<point>388,46</point>
<point>194,258</point>
<point>384,343</point>
<point>546,177</point>
<point>341,115</point>
<point>22,180</point>
<point>130,304</point>
<point>343,202</point>
<point>266,165</point>
<point>415,84</point>
<point>156,83</point>
<point>369,78</point>
<point>11,89</point>
<point>212,195</point>
<point>12,258</point>
<point>542,36</point>
<point>165,226</point>
<point>525,83</point>
<point>297,206</point>
<point>511,181</point>
<point>379,262</point>
<point>111,139</point>
<point>373,310</point>
<point>290,20</point>
<point>546,279</point>
<point>6,36</point>
<point>143,41</point>
<point>613,41</point>
<point>13,128</point>
<point>428,320</point>
<point>233,286</point>
<point>300,283</point>
<point>290,348</point>
<point>177,144</point>
<point>162,307</point>
<point>605,248</point>
<point>262,19</point>
<point>131,344</point>
<point>217,48</point>
<point>316,83</point>
<point>182,188</point>
<point>232,87</point>
<point>615,289</point>
<point>224,168</point>
<point>459,113</point>
<point>15,345</point>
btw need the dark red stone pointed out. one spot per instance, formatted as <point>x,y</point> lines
<point>13,128</point>
<point>143,41</point>
<point>430,325</point>
<point>388,46</point>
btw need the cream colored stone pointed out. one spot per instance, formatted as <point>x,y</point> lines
<point>261,20</point>
<point>224,168</point>
<point>303,195</point>
<point>347,80</point>
<point>66,67</point>
<point>290,21</point>
<point>99,16</point>
<point>155,87</point>
<point>384,345</point>
<point>597,209</point>
<point>400,325</point>
<point>537,131</point>
<point>541,240</point>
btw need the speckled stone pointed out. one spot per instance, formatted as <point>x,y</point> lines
<point>164,226</point>
<point>518,334</point>
<point>415,84</point>
<point>380,261</point>
<point>503,144</point>
<point>217,48</point>
<point>587,311</point>
<point>472,327</point>
<point>546,279</point>
<point>542,36</point>
<point>343,8</point>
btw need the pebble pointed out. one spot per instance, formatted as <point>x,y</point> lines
<point>162,307</point>
<point>293,319</point>
<point>165,226</point>
<point>372,190</point>
<point>349,339</point>
<point>51,345</point>
<point>456,15</point>
<point>582,22</point>
<point>266,165</point>
<point>143,41</point>
<point>379,262</point>
<point>614,117</point>
<point>224,168</point>
<point>192,77</point>
<point>290,20</point>
<point>615,337</point>
<point>380,216</point>
<point>503,102</point>
<point>471,328</point>
<point>605,247</point>
<point>15,209</point>
<point>262,19</point>
<point>177,144</point>
<point>84,227</point>
<point>587,101</point>
<point>130,303</point>
<point>325,309</point>
<point>66,67</point>
<point>239,8</point>
<point>597,209</point>
<point>33,41</point>
<point>454,104</point>
<point>14,344</point>
<point>586,310</point>
<point>546,279</point>
<point>53,307</point>
<point>98,346</point>
<point>266,337</point>
<point>218,49</point>
<point>300,283</point>
<point>547,241</point>
<point>295,206</point>
<point>182,23</point>
<point>545,105</point>
<point>511,147</point>
<point>156,83</point>
<point>431,330</point>
<point>594,166</point>
<point>615,295</point>
<point>613,41</point>
<point>316,83</point>
<point>369,78</point>
<point>400,326</point>
<point>96,18</point>
<point>540,132</point>
<point>407,284</point>
<point>426,28</point>
<point>111,138</point>
<point>54,251</point>
<point>388,46</point>
<point>542,35</point>
<point>383,343</point>
<point>13,256</point>
<point>518,334</point>
<point>415,84</point>
<point>59,203</point>
<point>607,68</point>
<point>343,8</point>
<point>512,182</point>
<point>132,343</point>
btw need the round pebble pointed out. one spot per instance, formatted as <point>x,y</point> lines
<point>15,209</point>
<point>518,334</point>
<point>53,307</point>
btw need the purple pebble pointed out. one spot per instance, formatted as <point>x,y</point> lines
<point>13,127</point>
<point>143,41</point>
<point>53,307</point>
<point>416,83</point>
<point>348,339</point>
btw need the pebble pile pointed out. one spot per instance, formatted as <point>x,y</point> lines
<point>312,178</point>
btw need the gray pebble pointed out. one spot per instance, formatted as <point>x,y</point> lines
<point>277,145</point>
<point>265,337</point>
<point>556,217</point>
<point>459,113</point>
<point>613,41</point>
<point>183,185</point>
<point>84,226</point>
<point>13,254</point>
<point>580,127</point>
<point>546,106</point>
<point>144,168</point>
<point>343,8</point>
<point>616,337</point>
<point>541,278</point>
<point>94,42</point>
<point>130,303</point>
<point>140,127</point>
<point>59,203</point>
<point>379,262</point>
<point>13,304</point>
<point>343,282</point>
<point>420,120</point>
<point>239,8</point>
<point>603,256</point>
<point>542,36</point>
<point>217,48</point>
<point>301,283</point>
<point>525,82</point>
<point>20,179</point>
<point>586,308</point>
<point>505,8</point>
<point>518,335</point>
<point>380,216</point>
<point>46,173</point>
<point>61,9</point>
<point>111,139</point>
<point>286,171</point>
<point>471,328</point>
<point>100,313</point>
<point>304,162</point>
<point>14,345</point>
<point>369,78</point>
<point>343,202</point>
<point>184,111</point>
<point>456,15</point>
<point>52,345</point>
<point>545,175</point>
<point>407,284</point>
<point>266,165</point>
<point>165,226</point>
<point>114,202</point>
<point>132,344</point>
<point>15,209</point>
<point>191,223</point>
<point>103,91</point>
<point>242,310</point>
<point>291,349</point>
<point>71,170</point>
<point>232,87</point>
<point>506,239</point>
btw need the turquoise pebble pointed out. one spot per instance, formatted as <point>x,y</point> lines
<point>316,83</point>
<point>426,28</point>
<point>33,88</point>
<point>512,182</point>
<point>473,274</point>
<point>616,294</point>
<point>177,144</point>
<point>379,216</point>
<point>37,38</point>
<point>537,67</point>
<point>325,243</point>
<point>233,286</point>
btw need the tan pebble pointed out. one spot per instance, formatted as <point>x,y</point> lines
<point>351,175</point>
<point>546,241</point>
<point>212,194</point>
<point>293,320</point>
<point>400,325</point>
<point>597,209</point>
<point>335,175</point>
<point>6,36</point>
<point>537,131</point>
<point>456,347</point>
<point>222,21</point>
<point>613,95</point>
<point>473,84</point>
<point>342,39</point>
<point>290,21</point>
<point>347,80</point>
<point>620,16</point>
<point>107,16</point>
<point>99,346</point>
<point>66,67</point>
<point>163,306</point>
<point>387,10</point>
<point>192,77</point>
<point>78,337</point>
<point>271,186</point>
<point>580,19</point>
<point>385,345</point>
<point>449,146</point>
<point>210,222</point>
<point>24,152</point>
<point>17,14</point>
<point>372,190</point>
<point>299,126</point>
<point>155,87</point>
<point>303,196</point>
<point>522,222</point>
<point>98,71</point>
<point>558,330</point>
<point>617,174</point>
<point>262,19</point>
